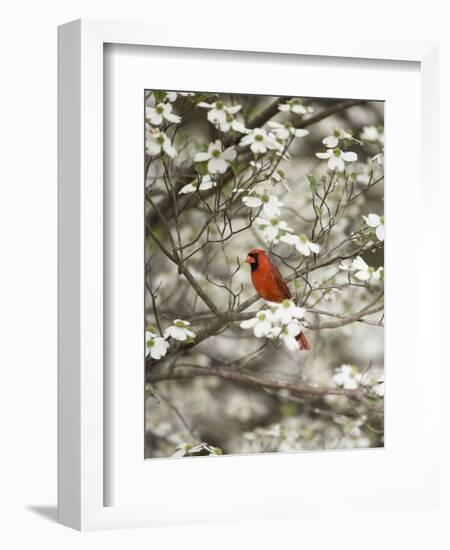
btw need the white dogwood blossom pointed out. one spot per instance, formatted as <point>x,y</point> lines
<point>376,222</point>
<point>221,115</point>
<point>161,111</point>
<point>337,158</point>
<point>179,331</point>
<point>280,322</point>
<point>202,184</point>
<point>364,272</point>
<point>338,135</point>
<point>261,323</point>
<point>286,311</point>
<point>347,376</point>
<point>260,142</point>
<point>286,130</point>
<point>272,228</point>
<point>171,96</point>
<point>301,243</point>
<point>295,106</point>
<point>218,159</point>
<point>270,204</point>
<point>288,334</point>
<point>157,142</point>
<point>155,345</point>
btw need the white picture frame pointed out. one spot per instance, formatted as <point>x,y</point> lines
<point>82,484</point>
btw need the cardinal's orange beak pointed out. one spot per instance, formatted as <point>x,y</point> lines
<point>250,260</point>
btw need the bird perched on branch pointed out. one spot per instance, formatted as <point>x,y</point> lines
<point>270,284</point>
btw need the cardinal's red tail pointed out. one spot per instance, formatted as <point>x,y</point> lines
<point>303,342</point>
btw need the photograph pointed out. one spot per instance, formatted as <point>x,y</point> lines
<point>264,273</point>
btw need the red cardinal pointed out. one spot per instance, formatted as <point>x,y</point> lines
<point>270,285</point>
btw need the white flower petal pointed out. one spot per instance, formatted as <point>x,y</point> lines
<point>291,343</point>
<point>379,231</point>
<point>217,116</point>
<point>349,156</point>
<point>258,147</point>
<point>336,163</point>
<point>362,275</point>
<point>159,349</point>
<point>154,117</point>
<point>314,247</point>
<point>233,109</point>
<point>171,117</point>
<point>282,133</point>
<point>294,329</point>
<point>239,127</point>
<point>201,157</point>
<point>249,323</point>
<point>229,154</point>
<point>246,140</point>
<point>217,165</point>
<point>152,148</point>
<point>169,149</point>
<point>189,188</point>
<point>325,155</point>
<point>207,183</point>
<point>331,141</point>
<point>252,202</point>
<point>171,96</point>
<point>300,132</point>
<point>298,312</point>
<point>302,247</point>
<point>262,328</point>
<point>372,220</point>
<point>262,222</point>
<point>360,264</point>
<point>271,209</point>
<point>290,239</point>
<point>298,109</point>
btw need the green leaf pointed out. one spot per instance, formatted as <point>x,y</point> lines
<point>202,168</point>
<point>312,183</point>
<point>159,96</point>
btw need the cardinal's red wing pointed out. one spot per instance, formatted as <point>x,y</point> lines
<point>279,281</point>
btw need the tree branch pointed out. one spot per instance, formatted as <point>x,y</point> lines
<point>225,318</point>
<point>192,371</point>
<point>367,310</point>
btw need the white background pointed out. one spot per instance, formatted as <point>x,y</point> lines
<point>28,270</point>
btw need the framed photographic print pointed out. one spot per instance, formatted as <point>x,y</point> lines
<point>234,297</point>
